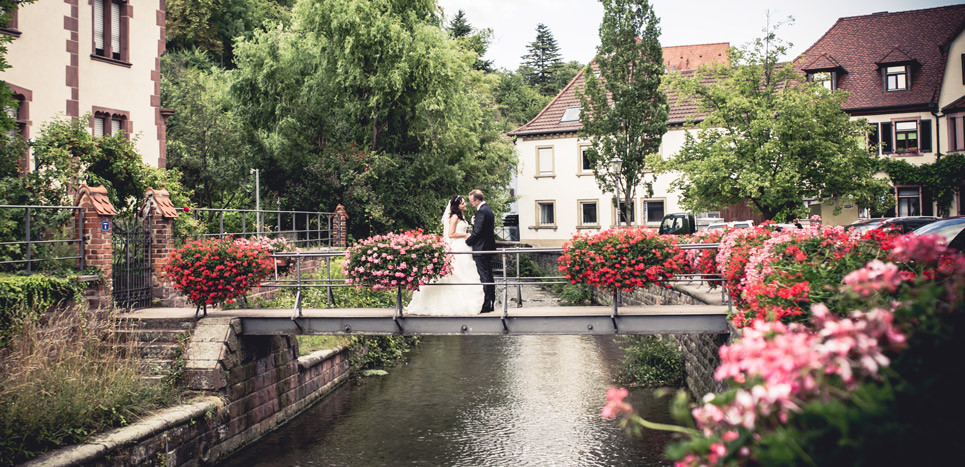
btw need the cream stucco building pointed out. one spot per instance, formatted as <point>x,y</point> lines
<point>99,57</point>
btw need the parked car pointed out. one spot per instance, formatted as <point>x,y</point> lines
<point>865,225</point>
<point>952,228</point>
<point>733,225</point>
<point>906,224</point>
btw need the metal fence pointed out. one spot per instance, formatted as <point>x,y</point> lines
<point>507,272</point>
<point>35,236</point>
<point>305,229</point>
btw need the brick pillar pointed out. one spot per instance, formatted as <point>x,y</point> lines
<point>340,227</point>
<point>159,213</point>
<point>97,251</point>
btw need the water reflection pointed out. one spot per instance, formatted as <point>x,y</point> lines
<point>527,400</point>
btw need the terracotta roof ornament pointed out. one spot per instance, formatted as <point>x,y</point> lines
<point>98,199</point>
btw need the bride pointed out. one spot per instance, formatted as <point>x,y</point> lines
<point>452,300</point>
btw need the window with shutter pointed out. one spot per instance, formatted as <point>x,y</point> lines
<point>886,138</point>
<point>924,136</point>
<point>873,138</point>
<point>98,126</point>
<point>99,27</point>
<point>115,30</point>
<point>544,162</point>
<point>115,125</point>
<point>906,137</point>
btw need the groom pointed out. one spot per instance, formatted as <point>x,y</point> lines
<point>483,238</point>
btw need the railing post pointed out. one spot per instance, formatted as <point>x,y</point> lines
<point>80,236</point>
<point>221,225</point>
<point>505,287</point>
<point>519,285</point>
<point>27,224</point>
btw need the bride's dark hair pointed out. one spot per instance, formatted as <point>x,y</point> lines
<point>454,207</point>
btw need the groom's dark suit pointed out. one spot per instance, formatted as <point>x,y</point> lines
<point>483,238</point>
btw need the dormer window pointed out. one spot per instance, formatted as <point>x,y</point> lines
<point>896,78</point>
<point>828,79</point>
<point>572,114</point>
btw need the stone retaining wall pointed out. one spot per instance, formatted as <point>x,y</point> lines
<point>700,351</point>
<point>254,384</point>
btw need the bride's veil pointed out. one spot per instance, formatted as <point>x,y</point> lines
<point>445,222</point>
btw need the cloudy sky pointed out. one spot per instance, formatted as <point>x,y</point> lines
<point>575,23</point>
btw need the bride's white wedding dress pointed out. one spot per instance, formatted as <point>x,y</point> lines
<point>451,300</point>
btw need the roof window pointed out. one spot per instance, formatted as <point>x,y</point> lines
<point>572,114</point>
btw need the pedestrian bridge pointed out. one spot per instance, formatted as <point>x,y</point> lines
<point>520,319</point>
<point>655,319</point>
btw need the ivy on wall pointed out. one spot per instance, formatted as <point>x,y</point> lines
<point>943,177</point>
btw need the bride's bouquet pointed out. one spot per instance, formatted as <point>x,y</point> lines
<point>408,259</point>
<point>622,259</point>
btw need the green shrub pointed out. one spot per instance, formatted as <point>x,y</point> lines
<point>373,352</point>
<point>651,362</point>
<point>310,343</point>
<point>26,298</point>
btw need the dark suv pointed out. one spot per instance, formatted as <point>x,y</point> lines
<point>906,224</point>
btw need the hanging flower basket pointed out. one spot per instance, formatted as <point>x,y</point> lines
<point>406,260</point>
<point>622,259</point>
<point>217,271</point>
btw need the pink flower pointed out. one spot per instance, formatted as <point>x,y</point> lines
<point>926,249</point>
<point>873,277</point>
<point>615,404</point>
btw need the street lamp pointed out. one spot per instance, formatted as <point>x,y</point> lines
<point>615,165</point>
<point>257,199</point>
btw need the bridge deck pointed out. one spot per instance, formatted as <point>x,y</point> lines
<point>527,320</point>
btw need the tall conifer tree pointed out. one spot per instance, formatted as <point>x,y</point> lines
<point>542,61</point>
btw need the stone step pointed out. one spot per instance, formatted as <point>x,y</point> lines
<point>152,335</point>
<point>152,351</point>
<point>184,324</point>
<point>156,367</point>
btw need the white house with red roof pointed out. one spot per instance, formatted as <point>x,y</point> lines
<point>557,193</point>
<point>905,72</point>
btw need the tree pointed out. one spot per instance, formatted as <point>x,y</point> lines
<point>373,92</point>
<point>542,61</point>
<point>213,25</point>
<point>517,101</point>
<point>478,42</point>
<point>624,112</point>
<point>203,135</point>
<point>770,138</point>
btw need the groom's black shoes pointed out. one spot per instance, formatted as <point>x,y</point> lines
<point>487,307</point>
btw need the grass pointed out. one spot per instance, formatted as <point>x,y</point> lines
<point>309,344</point>
<point>66,378</point>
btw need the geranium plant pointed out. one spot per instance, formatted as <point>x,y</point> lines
<point>216,271</point>
<point>406,260</point>
<point>622,259</point>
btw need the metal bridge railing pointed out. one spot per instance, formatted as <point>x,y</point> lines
<point>508,256</point>
<point>39,238</point>
<point>306,229</point>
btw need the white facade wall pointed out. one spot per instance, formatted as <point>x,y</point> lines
<point>39,59</point>
<point>567,187</point>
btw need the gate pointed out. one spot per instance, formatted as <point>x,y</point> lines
<point>131,265</point>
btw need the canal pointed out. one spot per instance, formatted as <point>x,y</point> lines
<point>472,401</point>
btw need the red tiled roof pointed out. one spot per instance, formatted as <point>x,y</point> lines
<point>861,43</point>
<point>162,202</point>
<point>691,57</point>
<point>98,199</point>
<point>548,120</point>
<point>822,62</point>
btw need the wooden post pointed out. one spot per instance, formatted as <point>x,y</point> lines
<point>340,227</point>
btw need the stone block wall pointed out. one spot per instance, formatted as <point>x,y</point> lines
<point>252,385</point>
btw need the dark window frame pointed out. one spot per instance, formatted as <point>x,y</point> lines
<point>108,54</point>
<point>23,96</point>
<point>887,75</point>
<point>832,78</point>
<point>580,204</point>
<point>899,198</point>
<point>895,137</point>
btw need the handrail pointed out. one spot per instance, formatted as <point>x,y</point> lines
<point>329,283</point>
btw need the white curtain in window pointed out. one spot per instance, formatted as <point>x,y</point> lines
<point>99,24</point>
<point>115,126</point>
<point>115,27</point>
<point>98,126</point>
<point>545,160</point>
